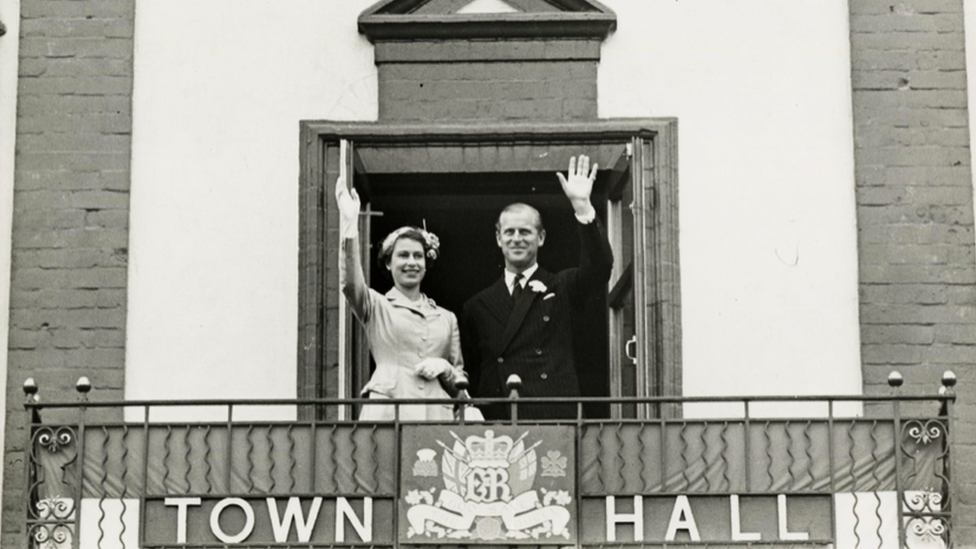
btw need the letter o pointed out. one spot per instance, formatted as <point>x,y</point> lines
<point>248,520</point>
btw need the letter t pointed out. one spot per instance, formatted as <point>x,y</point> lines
<point>181,505</point>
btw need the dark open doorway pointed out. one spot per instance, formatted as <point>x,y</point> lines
<point>457,177</point>
<point>461,208</point>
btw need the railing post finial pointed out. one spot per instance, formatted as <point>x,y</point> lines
<point>83,386</point>
<point>30,389</point>
<point>895,379</point>
<point>948,380</point>
<point>461,383</point>
<point>514,383</point>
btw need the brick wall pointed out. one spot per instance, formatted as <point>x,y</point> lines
<point>488,80</point>
<point>70,238</point>
<point>915,211</point>
<point>71,201</point>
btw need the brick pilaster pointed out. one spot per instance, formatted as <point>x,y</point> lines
<point>70,222</point>
<point>488,80</point>
<point>915,211</point>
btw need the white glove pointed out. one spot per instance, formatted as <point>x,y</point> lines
<point>349,205</point>
<point>432,368</point>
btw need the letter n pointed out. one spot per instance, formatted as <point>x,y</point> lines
<point>364,528</point>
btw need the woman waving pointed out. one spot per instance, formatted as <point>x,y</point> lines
<point>414,342</point>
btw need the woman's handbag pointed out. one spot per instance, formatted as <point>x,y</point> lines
<point>472,413</point>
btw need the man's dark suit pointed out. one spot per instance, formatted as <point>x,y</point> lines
<point>532,337</point>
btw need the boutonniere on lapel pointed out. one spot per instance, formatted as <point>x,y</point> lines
<point>538,287</point>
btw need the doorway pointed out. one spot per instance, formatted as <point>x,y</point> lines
<point>456,178</point>
<point>461,209</point>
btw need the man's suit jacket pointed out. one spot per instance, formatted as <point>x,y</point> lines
<point>532,337</point>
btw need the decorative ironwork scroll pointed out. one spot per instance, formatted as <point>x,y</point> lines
<point>53,466</point>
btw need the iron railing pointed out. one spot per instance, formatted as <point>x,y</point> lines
<point>96,465</point>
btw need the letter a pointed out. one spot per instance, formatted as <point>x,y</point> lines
<point>682,519</point>
<point>614,518</point>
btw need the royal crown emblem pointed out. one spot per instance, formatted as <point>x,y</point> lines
<point>488,451</point>
<point>487,489</point>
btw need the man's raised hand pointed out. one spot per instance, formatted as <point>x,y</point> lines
<point>578,186</point>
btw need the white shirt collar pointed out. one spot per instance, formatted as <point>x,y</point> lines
<point>526,275</point>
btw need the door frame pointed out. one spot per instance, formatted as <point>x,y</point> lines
<point>319,296</point>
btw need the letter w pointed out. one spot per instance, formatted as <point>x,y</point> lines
<point>293,515</point>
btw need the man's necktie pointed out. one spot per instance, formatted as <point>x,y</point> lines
<point>517,287</point>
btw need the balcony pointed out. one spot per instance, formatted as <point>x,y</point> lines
<point>840,471</point>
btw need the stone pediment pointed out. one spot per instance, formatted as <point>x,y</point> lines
<point>486,19</point>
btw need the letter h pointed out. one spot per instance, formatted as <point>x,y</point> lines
<point>614,518</point>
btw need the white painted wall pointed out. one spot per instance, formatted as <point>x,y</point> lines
<point>761,89</point>
<point>768,237</point>
<point>219,89</point>
<point>969,11</point>
<point>10,15</point>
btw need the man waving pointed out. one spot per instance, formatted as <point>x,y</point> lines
<point>522,324</point>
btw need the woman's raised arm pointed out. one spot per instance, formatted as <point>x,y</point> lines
<point>351,278</point>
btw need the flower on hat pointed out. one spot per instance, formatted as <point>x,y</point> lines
<point>433,243</point>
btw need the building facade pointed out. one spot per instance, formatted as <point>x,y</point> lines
<point>788,188</point>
